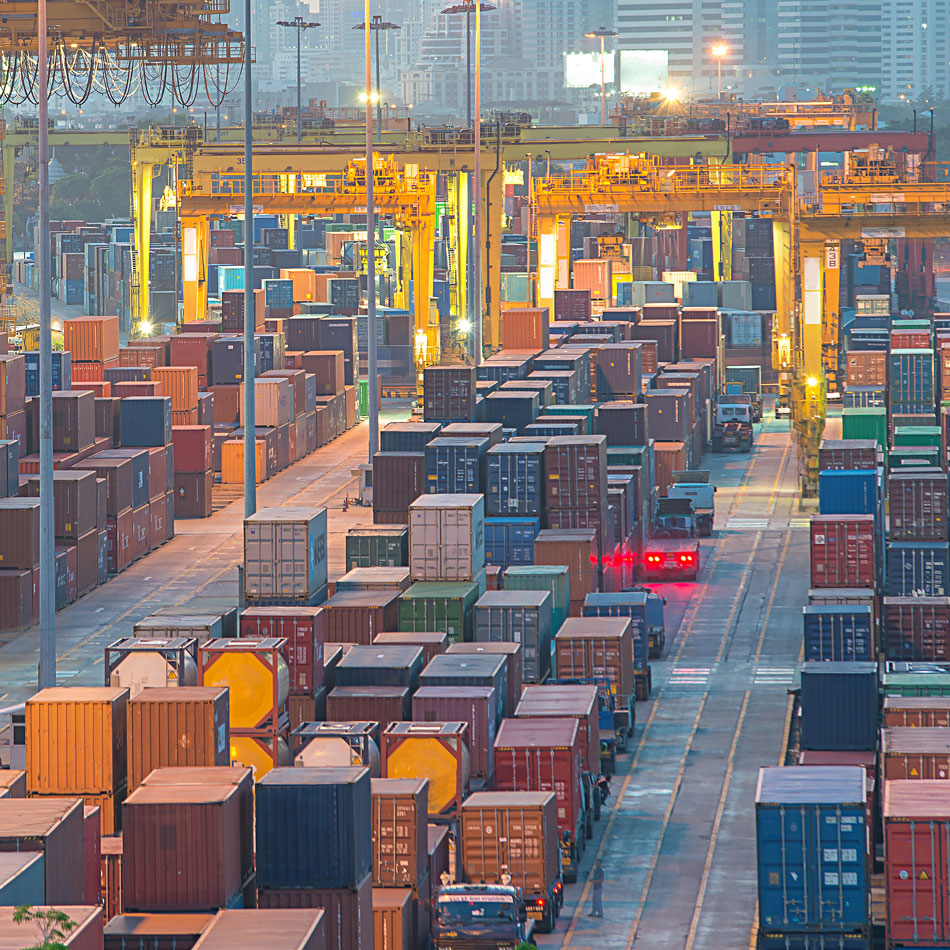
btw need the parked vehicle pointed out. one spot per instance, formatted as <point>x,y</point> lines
<point>671,559</point>
<point>732,427</point>
<point>696,487</point>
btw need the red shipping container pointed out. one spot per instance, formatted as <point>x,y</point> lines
<point>356,616</point>
<point>382,704</point>
<point>139,388</point>
<point>699,338</point>
<point>181,848</point>
<point>543,755</point>
<point>348,912</point>
<point>843,551</point>
<point>916,862</point>
<point>156,522</point>
<point>475,705</point>
<point>917,628</point>
<point>16,600</point>
<point>910,340</point>
<point>119,531</point>
<point>915,752</point>
<point>140,528</point>
<point>578,702</point>
<point>92,854</point>
<point>74,420</point>
<point>917,711</point>
<point>303,629</point>
<point>847,454</point>
<point>193,449</point>
<point>193,495</point>
<point>526,328</point>
<point>91,372</point>
<point>192,349</point>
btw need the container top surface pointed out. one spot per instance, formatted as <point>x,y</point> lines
<point>197,794</point>
<point>568,698</point>
<point>330,775</point>
<point>865,760</point>
<point>901,740</point>
<point>454,664</point>
<point>811,785</point>
<point>917,702</point>
<point>446,501</point>
<point>439,590</point>
<point>33,817</point>
<point>410,636</point>
<point>513,598</point>
<point>157,925</point>
<point>369,692</point>
<point>589,628</point>
<point>453,692</point>
<point>398,786</point>
<point>307,729</point>
<point>426,730</point>
<point>390,655</point>
<point>78,694</point>
<point>916,798</point>
<point>519,448</point>
<point>286,514</point>
<point>479,800</point>
<point>861,610</point>
<point>536,733</point>
<point>535,570</point>
<point>374,530</point>
<point>13,862</point>
<point>391,898</point>
<point>625,597</point>
<point>276,929</point>
<point>839,668</point>
<point>838,519</point>
<point>179,694</point>
<point>570,535</point>
<point>203,775</point>
<point>508,647</point>
<point>362,598</point>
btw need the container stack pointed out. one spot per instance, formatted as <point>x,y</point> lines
<point>76,747</point>
<point>305,861</point>
<point>20,556</point>
<point>514,502</point>
<point>93,345</point>
<point>194,470</point>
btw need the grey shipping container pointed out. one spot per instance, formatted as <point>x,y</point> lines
<point>518,616</point>
<point>460,669</point>
<point>840,706</point>
<point>380,665</point>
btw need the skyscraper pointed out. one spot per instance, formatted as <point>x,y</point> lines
<point>915,48</point>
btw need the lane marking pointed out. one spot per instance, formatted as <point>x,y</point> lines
<point>711,849</point>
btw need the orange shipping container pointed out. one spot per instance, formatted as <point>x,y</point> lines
<point>668,457</point>
<point>392,918</point>
<point>177,726</point>
<point>110,810</point>
<point>180,384</point>
<point>400,830</point>
<point>232,462</point>
<point>91,371</point>
<point>867,368</point>
<point>915,711</point>
<point>304,279</point>
<point>943,365</point>
<point>93,339</point>
<point>75,740</point>
<point>525,328</point>
<point>110,875</point>
<point>916,752</point>
<point>593,275</point>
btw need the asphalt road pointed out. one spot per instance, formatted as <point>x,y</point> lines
<point>678,842</point>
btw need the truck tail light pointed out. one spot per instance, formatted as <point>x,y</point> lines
<point>686,559</point>
<point>653,559</point>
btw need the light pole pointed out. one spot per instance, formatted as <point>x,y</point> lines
<point>468,7</point>
<point>378,24</point>
<point>250,432</point>
<point>299,24</point>
<point>719,50</point>
<point>373,388</point>
<point>602,34</point>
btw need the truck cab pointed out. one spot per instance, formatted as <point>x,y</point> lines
<point>480,917</point>
<point>695,486</point>
<point>671,559</point>
<point>732,428</point>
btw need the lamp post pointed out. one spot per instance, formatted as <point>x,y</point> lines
<point>602,34</point>
<point>376,26</point>
<point>719,50</point>
<point>468,7</point>
<point>370,246</point>
<point>299,24</point>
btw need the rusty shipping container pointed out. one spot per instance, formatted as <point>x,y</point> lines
<point>915,752</point>
<point>400,836</point>
<point>271,928</point>
<point>596,646</point>
<point>514,659</point>
<point>76,740</point>
<point>177,726</point>
<point>475,705</point>
<point>182,848</point>
<point>917,711</point>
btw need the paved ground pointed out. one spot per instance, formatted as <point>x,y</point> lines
<point>678,848</point>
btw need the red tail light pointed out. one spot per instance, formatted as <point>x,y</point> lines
<point>653,559</point>
<point>686,559</point>
<point>541,902</point>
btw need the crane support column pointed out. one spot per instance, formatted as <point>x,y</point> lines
<point>142,173</point>
<point>554,257</point>
<point>194,266</point>
<point>494,193</point>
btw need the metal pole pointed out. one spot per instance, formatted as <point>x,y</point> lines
<point>603,94</point>
<point>47,668</point>
<point>217,113</point>
<point>719,78</point>
<point>379,89</point>
<point>468,60</point>
<point>477,256</point>
<point>299,31</point>
<point>371,254</point>
<point>250,446</point>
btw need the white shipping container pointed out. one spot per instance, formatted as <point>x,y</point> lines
<point>447,537</point>
<point>735,294</point>
<point>677,278</point>
<point>285,555</point>
<point>271,402</point>
<point>651,291</point>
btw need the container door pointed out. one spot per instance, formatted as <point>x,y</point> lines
<point>917,881</point>
<point>785,888</point>
<point>841,841</point>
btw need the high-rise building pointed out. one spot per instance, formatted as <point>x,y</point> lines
<point>915,49</point>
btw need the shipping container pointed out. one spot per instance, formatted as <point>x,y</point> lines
<point>447,537</point>
<point>918,568</point>
<point>515,482</point>
<point>518,616</point>
<point>847,454</point>
<point>278,929</point>
<point>285,555</point>
<point>917,505</point>
<point>303,629</point>
<point>441,607</point>
<point>374,578</point>
<point>840,708</point>
<point>812,848</point>
<point>452,669</point>
<point>394,921</point>
<point>596,647</point>
<point>843,551</point>
<point>513,654</point>
<point>377,546</point>
<point>551,578</point>
<point>154,931</point>
<point>379,665</point>
<point>86,934</point>
<point>400,831</point>
<point>449,393</point>
<point>296,847</point>
<point>916,711</point>
<point>474,705</point>
<point>575,701</point>
<point>356,616</point>
<point>915,752</point>
<point>839,633</point>
<point>917,628</point>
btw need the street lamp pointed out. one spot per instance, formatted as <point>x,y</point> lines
<point>719,50</point>
<point>376,26</point>
<point>601,34</point>
<point>299,24</point>
<point>468,8</point>
<point>373,382</point>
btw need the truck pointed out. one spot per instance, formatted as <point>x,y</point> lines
<point>656,626</point>
<point>671,559</point>
<point>695,486</point>
<point>480,917</point>
<point>732,426</point>
<point>675,518</point>
<point>746,380</point>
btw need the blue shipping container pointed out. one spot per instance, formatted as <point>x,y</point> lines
<point>911,377</point>
<point>812,848</point>
<point>515,479</point>
<point>510,541</point>
<point>314,827</point>
<point>514,409</point>
<point>632,604</point>
<point>279,293</point>
<point>455,466</point>
<point>145,421</point>
<point>839,703</point>
<point>849,492</point>
<point>918,567</point>
<point>853,940</point>
<point>408,436</point>
<point>62,371</point>
<point>838,632</point>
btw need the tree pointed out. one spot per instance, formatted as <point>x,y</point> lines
<point>54,926</point>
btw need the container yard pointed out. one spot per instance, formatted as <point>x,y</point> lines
<point>527,530</point>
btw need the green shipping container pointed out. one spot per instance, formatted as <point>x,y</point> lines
<point>568,410</point>
<point>436,606</point>
<point>627,455</point>
<point>364,398</point>
<point>552,578</point>
<point>914,457</point>
<point>865,424</point>
<point>916,436</point>
<point>917,684</point>
<point>378,546</point>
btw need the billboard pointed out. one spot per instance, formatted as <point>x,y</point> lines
<point>644,71</point>
<point>583,69</point>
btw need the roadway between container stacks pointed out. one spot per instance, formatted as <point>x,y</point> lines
<point>202,558</point>
<point>678,840</point>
